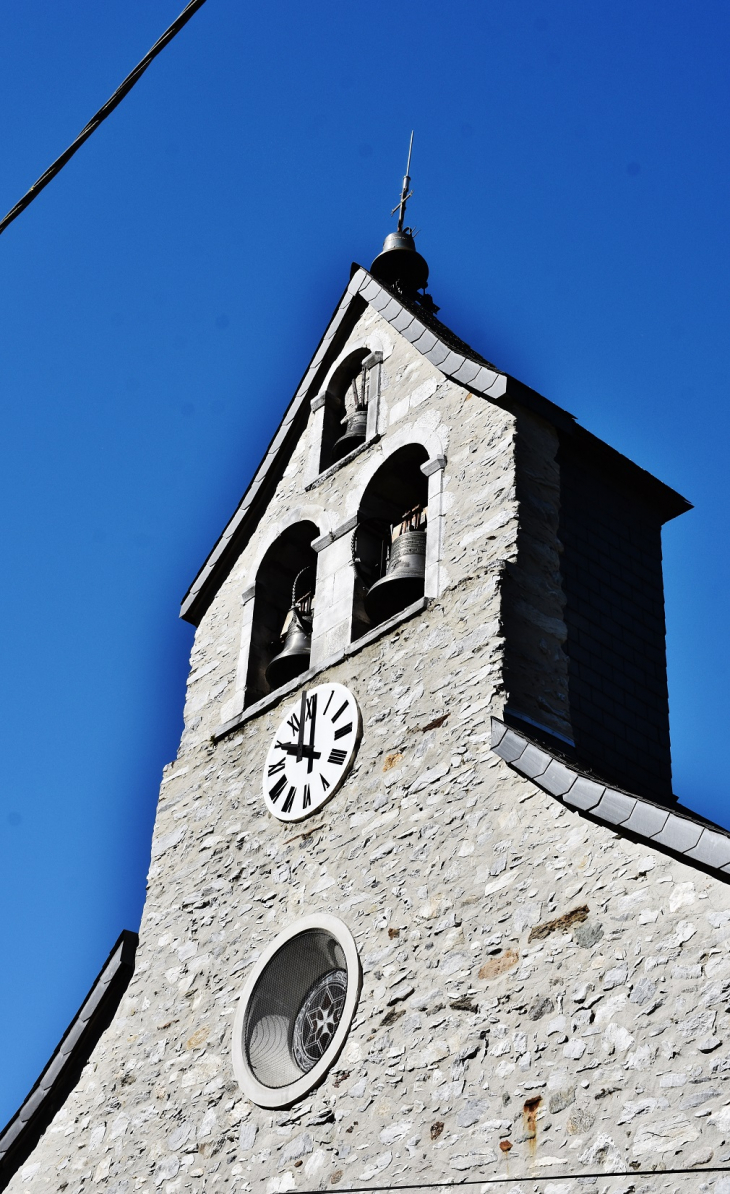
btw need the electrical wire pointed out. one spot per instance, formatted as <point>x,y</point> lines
<point>124,88</point>
<point>529,1177</point>
<point>99,117</point>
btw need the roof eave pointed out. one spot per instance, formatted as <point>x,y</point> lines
<point>206,583</point>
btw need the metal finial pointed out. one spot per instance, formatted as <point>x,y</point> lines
<point>406,193</point>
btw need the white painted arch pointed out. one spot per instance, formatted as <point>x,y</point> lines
<point>307,512</point>
<point>434,439</point>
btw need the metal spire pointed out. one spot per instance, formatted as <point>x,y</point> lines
<point>406,193</point>
<point>399,264</point>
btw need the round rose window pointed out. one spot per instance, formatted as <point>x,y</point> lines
<point>295,1011</point>
<point>318,1017</point>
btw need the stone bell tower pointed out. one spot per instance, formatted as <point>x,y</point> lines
<point>422,905</point>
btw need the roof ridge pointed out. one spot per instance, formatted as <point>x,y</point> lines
<point>436,325</point>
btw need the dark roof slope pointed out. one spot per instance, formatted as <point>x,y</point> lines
<point>22,1133</point>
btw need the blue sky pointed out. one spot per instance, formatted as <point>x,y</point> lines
<point>160,301</point>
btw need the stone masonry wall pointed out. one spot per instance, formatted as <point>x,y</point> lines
<point>540,997</point>
<point>417,405</point>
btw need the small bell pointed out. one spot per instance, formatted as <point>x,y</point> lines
<point>354,434</point>
<point>400,265</point>
<point>356,425</point>
<point>405,574</point>
<point>293,659</point>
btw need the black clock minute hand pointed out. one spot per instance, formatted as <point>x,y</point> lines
<point>313,718</point>
<point>302,715</point>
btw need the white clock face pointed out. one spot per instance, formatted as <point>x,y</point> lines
<point>312,752</point>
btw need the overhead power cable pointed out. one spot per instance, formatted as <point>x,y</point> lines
<point>124,88</point>
<point>532,1177</point>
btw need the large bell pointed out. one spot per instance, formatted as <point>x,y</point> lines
<point>404,578</point>
<point>293,659</point>
<point>353,435</point>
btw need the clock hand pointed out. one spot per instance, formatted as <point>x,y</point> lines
<point>291,748</point>
<point>310,752</point>
<point>302,713</point>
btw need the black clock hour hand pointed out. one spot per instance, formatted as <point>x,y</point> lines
<point>292,748</point>
<point>313,718</point>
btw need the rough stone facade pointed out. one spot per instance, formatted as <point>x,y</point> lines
<point>542,998</point>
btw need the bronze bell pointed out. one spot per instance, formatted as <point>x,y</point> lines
<point>356,426</point>
<point>353,435</point>
<point>293,659</point>
<point>405,574</point>
<point>400,265</point>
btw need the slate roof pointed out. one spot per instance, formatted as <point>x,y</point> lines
<point>444,333</point>
<point>22,1133</point>
<point>677,831</point>
<point>452,357</point>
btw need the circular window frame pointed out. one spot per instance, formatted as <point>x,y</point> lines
<point>286,1096</point>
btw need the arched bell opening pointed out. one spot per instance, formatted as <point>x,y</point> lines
<point>281,634</point>
<point>389,541</point>
<point>346,409</point>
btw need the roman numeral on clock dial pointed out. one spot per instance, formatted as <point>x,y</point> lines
<point>278,788</point>
<point>311,753</point>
